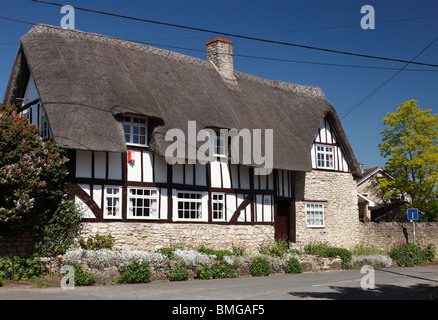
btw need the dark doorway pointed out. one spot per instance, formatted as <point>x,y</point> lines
<point>283,221</point>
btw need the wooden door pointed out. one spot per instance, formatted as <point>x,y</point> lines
<point>285,221</point>
<point>282,225</point>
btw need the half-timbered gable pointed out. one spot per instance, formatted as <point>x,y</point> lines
<point>110,104</point>
<point>326,153</point>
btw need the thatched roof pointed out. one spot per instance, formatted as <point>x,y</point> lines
<point>84,80</point>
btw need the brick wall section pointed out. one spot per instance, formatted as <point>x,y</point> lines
<point>383,235</point>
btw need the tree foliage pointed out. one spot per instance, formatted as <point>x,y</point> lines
<point>33,180</point>
<point>410,143</point>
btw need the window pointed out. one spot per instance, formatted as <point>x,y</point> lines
<point>325,157</point>
<point>44,124</point>
<point>315,214</point>
<point>142,203</point>
<point>135,129</point>
<point>218,204</point>
<point>189,205</point>
<point>113,199</point>
<point>218,144</point>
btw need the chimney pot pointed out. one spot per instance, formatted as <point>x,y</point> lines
<point>220,53</point>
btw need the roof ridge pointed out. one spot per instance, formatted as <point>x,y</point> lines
<point>78,34</point>
<point>309,91</point>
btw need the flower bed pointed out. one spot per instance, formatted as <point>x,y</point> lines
<point>181,263</point>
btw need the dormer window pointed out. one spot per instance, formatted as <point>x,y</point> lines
<point>219,145</point>
<point>136,130</point>
<point>324,157</point>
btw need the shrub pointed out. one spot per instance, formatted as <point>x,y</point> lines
<point>220,254</point>
<point>222,269</point>
<point>259,267</point>
<point>168,252</point>
<point>105,258</point>
<point>293,266</point>
<point>191,259</point>
<point>17,268</point>
<point>409,254</point>
<point>203,273</point>
<point>239,250</point>
<point>324,250</point>
<point>375,260</point>
<point>135,272</point>
<point>97,242</point>
<point>362,250</point>
<point>178,273</point>
<point>430,252</point>
<point>277,248</point>
<point>82,278</point>
<point>33,185</point>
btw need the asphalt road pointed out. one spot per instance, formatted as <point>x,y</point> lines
<point>416,283</point>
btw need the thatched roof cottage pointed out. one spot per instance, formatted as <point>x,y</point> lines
<point>111,103</point>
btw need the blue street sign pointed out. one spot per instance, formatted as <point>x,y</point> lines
<point>412,214</point>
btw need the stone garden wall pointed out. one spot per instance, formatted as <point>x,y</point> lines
<point>384,235</point>
<point>151,236</point>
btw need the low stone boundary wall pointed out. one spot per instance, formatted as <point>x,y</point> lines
<point>384,235</point>
<point>151,236</point>
<point>309,263</point>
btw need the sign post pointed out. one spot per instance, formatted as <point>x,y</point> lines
<point>412,216</point>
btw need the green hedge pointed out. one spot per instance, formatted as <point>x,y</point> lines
<point>326,251</point>
<point>409,254</point>
<point>259,267</point>
<point>135,272</point>
<point>293,266</point>
<point>18,268</point>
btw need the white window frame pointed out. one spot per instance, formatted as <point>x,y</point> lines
<point>200,202</point>
<point>114,196</point>
<point>152,208</point>
<point>218,201</point>
<point>219,145</point>
<point>44,123</point>
<point>134,123</point>
<point>315,208</point>
<point>325,159</point>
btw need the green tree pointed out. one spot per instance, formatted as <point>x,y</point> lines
<point>33,183</point>
<point>410,143</point>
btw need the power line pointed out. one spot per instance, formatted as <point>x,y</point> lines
<point>239,36</point>
<point>16,20</point>
<point>240,55</point>
<point>358,104</point>
<point>283,60</point>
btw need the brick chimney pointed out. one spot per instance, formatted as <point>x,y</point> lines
<point>220,53</point>
<point>361,167</point>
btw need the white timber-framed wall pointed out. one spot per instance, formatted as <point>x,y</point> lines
<point>139,186</point>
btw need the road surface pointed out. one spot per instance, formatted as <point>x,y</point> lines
<point>415,283</point>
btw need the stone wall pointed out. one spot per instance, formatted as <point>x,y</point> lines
<point>383,235</point>
<point>21,245</point>
<point>150,236</point>
<point>337,190</point>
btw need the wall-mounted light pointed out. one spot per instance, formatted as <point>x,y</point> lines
<point>131,156</point>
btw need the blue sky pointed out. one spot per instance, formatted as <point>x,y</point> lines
<point>402,30</point>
